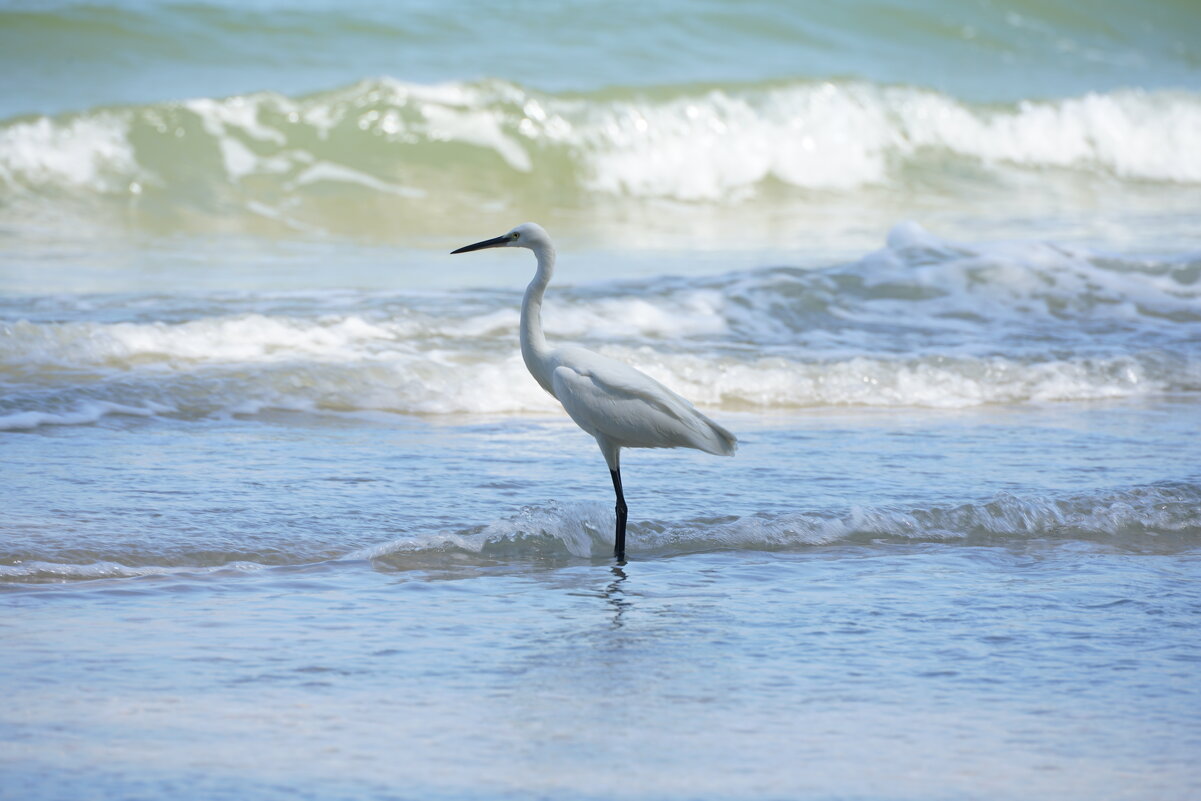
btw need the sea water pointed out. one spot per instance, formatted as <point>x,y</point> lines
<point>284,516</point>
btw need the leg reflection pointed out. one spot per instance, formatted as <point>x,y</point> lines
<point>615,595</point>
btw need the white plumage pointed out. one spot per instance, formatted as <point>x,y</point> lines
<point>618,405</point>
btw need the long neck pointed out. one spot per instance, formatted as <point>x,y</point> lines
<point>533,343</point>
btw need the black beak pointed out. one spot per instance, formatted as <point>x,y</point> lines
<point>487,243</point>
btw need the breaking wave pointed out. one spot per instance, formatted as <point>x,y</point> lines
<point>413,385</point>
<point>1121,517</point>
<point>921,322</point>
<point>426,148</point>
<point>1155,516</point>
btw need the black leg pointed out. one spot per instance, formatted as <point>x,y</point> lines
<point>619,541</point>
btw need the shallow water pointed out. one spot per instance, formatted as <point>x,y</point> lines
<point>870,604</point>
<point>284,516</point>
<point>1055,669</point>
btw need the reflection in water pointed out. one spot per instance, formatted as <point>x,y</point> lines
<point>616,596</point>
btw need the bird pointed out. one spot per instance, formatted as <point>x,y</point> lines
<point>621,407</point>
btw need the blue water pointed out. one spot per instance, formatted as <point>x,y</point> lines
<point>1053,670</point>
<point>988,51</point>
<point>284,516</point>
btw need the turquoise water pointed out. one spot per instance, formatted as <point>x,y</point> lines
<point>285,516</point>
<point>135,52</point>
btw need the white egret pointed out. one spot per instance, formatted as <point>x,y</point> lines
<point>618,405</point>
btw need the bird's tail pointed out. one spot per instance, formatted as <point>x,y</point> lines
<point>717,440</point>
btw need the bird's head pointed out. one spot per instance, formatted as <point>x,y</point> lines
<point>527,235</point>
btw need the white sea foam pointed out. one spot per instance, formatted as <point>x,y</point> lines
<point>922,322</point>
<point>254,337</point>
<point>1121,517</point>
<point>439,383</point>
<point>215,340</point>
<point>718,145</point>
<point>933,381</point>
<point>934,296</point>
<point>850,135</point>
<point>88,152</point>
<point>84,413</point>
<point>585,530</point>
<point>579,530</point>
<point>42,571</point>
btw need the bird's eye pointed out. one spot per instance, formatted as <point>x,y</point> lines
<point>516,235</point>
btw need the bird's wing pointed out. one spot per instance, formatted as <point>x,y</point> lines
<point>610,399</point>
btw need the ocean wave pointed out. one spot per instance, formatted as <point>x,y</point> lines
<point>419,385</point>
<point>391,141</point>
<point>38,571</point>
<point>918,293</point>
<point>922,322</point>
<point>1143,517</point>
<point>1164,515</point>
<point>79,413</point>
<point>1119,517</point>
